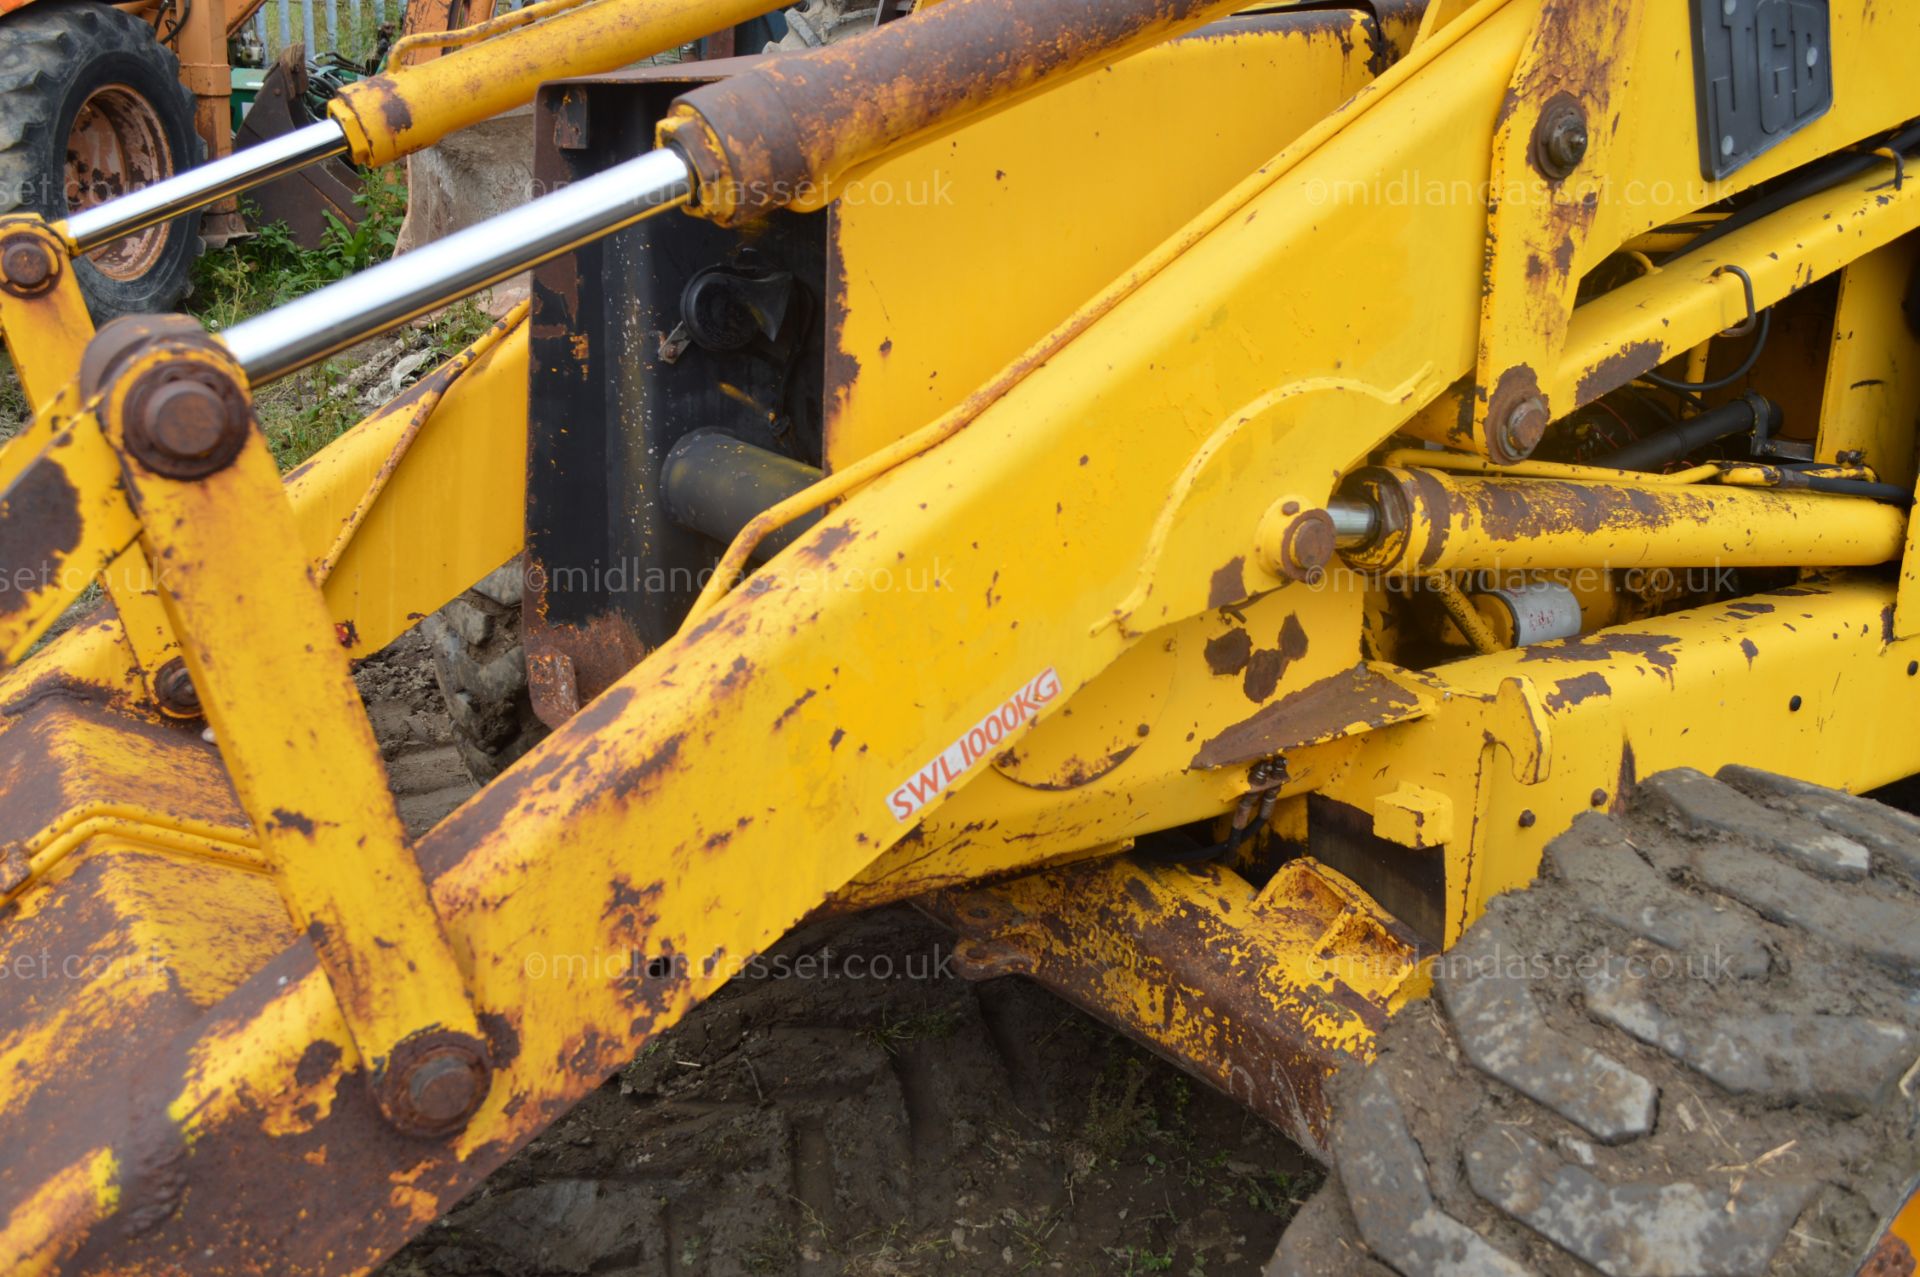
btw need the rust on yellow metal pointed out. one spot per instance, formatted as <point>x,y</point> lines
<point>1896,1251</point>
<point>906,80</point>
<point>1555,134</point>
<point>1639,698</point>
<point>231,554</point>
<point>46,325</point>
<point>396,113</point>
<point>467,423</point>
<point>1414,817</point>
<point>1434,522</point>
<point>1465,616</point>
<point>895,364</point>
<point>1264,993</point>
<point>592,894</point>
<point>85,1193</point>
<point>1544,347</point>
<point>65,520</point>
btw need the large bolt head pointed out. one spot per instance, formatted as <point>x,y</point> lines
<point>185,422</point>
<point>173,688</point>
<point>1308,546</point>
<point>1560,139</point>
<point>445,1088</point>
<point>1525,423</point>
<point>433,1083</point>
<point>1567,142</point>
<point>27,265</point>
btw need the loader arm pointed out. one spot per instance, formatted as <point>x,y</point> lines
<point>1138,516</point>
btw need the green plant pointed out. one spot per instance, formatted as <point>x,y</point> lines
<point>1133,1260</point>
<point>927,1026</point>
<point>454,328</point>
<point>357,36</point>
<point>1119,1109</point>
<point>303,413</point>
<point>775,1251</point>
<point>13,401</point>
<point>271,267</point>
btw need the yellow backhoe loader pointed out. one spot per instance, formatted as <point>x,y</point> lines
<point>1321,533</point>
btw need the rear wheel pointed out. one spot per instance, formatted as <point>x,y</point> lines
<point>1688,1048</point>
<point>91,106</point>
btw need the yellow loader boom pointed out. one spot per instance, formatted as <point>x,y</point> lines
<point>1205,557</point>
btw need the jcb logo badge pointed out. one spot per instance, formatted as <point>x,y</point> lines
<point>1763,70</point>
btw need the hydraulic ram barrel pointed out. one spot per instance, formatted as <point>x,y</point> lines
<point>388,116</point>
<point>1430,522</point>
<point>784,132</point>
<point>821,112</point>
<point>308,330</point>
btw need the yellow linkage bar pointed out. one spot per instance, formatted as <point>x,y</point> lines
<point>410,107</point>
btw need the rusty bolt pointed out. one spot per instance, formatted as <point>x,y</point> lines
<point>173,688</point>
<point>1266,771</point>
<point>433,1083</point>
<point>1526,820</point>
<point>1297,540</point>
<point>1524,424</point>
<point>185,421</point>
<point>28,265</point>
<point>1560,139</point>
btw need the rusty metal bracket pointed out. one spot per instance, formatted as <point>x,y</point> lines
<point>215,520</point>
<point>42,312</point>
<point>1550,162</point>
<point>1166,952</point>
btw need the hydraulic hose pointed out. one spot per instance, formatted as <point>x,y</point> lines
<point>1741,416</point>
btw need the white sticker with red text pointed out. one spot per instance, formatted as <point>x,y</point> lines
<point>974,744</point>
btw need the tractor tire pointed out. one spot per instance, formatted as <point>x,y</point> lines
<point>91,105</point>
<point>1688,1048</point>
<point>482,672</point>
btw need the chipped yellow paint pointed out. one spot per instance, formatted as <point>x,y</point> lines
<point>409,107</point>
<point>1090,515</point>
<point>898,311</point>
<point>1414,817</point>
<point>33,1239</point>
<point>45,333</point>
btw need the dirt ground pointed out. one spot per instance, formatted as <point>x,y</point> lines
<point>817,1119</point>
<point>856,1108</point>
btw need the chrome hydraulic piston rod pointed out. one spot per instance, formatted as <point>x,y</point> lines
<point>391,115</point>
<point>305,331</point>
<point>183,192</point>
<point>779,134</point>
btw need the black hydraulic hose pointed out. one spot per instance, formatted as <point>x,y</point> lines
<point>1741,416</point>
<point>1887,492</point>
<point>1721,383</point>
<point>1816,177</point>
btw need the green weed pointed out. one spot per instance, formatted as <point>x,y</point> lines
<point>927,1027</point>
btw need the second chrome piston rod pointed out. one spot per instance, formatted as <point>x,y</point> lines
<point>306,331</point>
